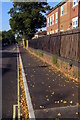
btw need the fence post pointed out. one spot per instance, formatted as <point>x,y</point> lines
<point>23,44</point>
<point>27,44</point>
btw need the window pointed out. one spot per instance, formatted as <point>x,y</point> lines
<point>48,22</point>
<point>47,33</point>
<point>56,17</point>
<point>75,22</point>
<point>53,31</point>
<point>50,32</point>
<point>56,30</point>
<point>75,2</point>
<point>53,19</point>
<point>62,10</point>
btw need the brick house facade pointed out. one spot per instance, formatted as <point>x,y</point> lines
<point>64,16</point>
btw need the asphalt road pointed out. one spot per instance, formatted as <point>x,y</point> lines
<point>51,92</point>
<point>9,81</point>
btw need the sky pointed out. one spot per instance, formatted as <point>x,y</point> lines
<point>4,16</point>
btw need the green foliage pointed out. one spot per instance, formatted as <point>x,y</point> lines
<point>7,37</point>
<point>54,58</point>
<point>18,39</point>
<point>57,64</point>
<point>70,63</point>
<point>27,17</point>
<point>39,53</point>
<point>36,53</point>
<point>75,73</point>
<point>61,62</point>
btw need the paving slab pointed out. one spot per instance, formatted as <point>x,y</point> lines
<point>52,94</point>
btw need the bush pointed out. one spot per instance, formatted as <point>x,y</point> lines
<point>54,58</point>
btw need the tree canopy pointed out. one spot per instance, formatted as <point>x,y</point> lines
<point>7,37</point>
<point>27,17</point>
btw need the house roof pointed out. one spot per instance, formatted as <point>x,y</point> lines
<point>41,32</point>
<point>59,4</point>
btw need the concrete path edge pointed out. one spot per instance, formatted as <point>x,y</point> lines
<point>28,98</point>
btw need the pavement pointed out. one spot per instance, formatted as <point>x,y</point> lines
<point>9,81</point>
<point>52,94</point>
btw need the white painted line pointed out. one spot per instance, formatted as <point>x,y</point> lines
<point>14,111</point>
<point>28,99</point>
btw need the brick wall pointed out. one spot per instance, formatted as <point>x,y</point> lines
<point>65,44</point>
<point>54,26</point>
<point>65,20</point>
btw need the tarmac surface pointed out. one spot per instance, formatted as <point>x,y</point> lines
<point>52,94</point>
<point>9,81</point>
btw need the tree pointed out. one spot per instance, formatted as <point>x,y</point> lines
<point>7,37</point>
<point>27,17</point>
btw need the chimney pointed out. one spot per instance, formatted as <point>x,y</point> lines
<point>40,30</point>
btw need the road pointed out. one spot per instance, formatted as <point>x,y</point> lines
<point>9,81</point>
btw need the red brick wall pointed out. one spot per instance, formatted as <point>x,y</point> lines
<point>55,26</point>
<point>79,13</point>
<point>65,21</point>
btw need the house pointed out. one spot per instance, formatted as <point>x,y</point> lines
<point>40,34</point>
<point>64,16</point>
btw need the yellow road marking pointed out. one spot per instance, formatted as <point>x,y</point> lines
<point>18,84</point>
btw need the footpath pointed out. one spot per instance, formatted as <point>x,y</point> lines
<point>52,94</point>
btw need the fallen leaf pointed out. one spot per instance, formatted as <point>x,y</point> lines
<point>77,113</point>
<point>64,101</point>
<point>73,87</point>
<point>77,103</point>
<point>59,114</point>
<point>71,102</point>
<point>46,96</point>
<point>52,93</point>
<point>73,94</point>
<point>42,82</point>
<point>61,100</point>
<point>41,107</point>
<point>46,110</point>
<point>56,101</point>
<point>47,99</point>
<point>33,86</point>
